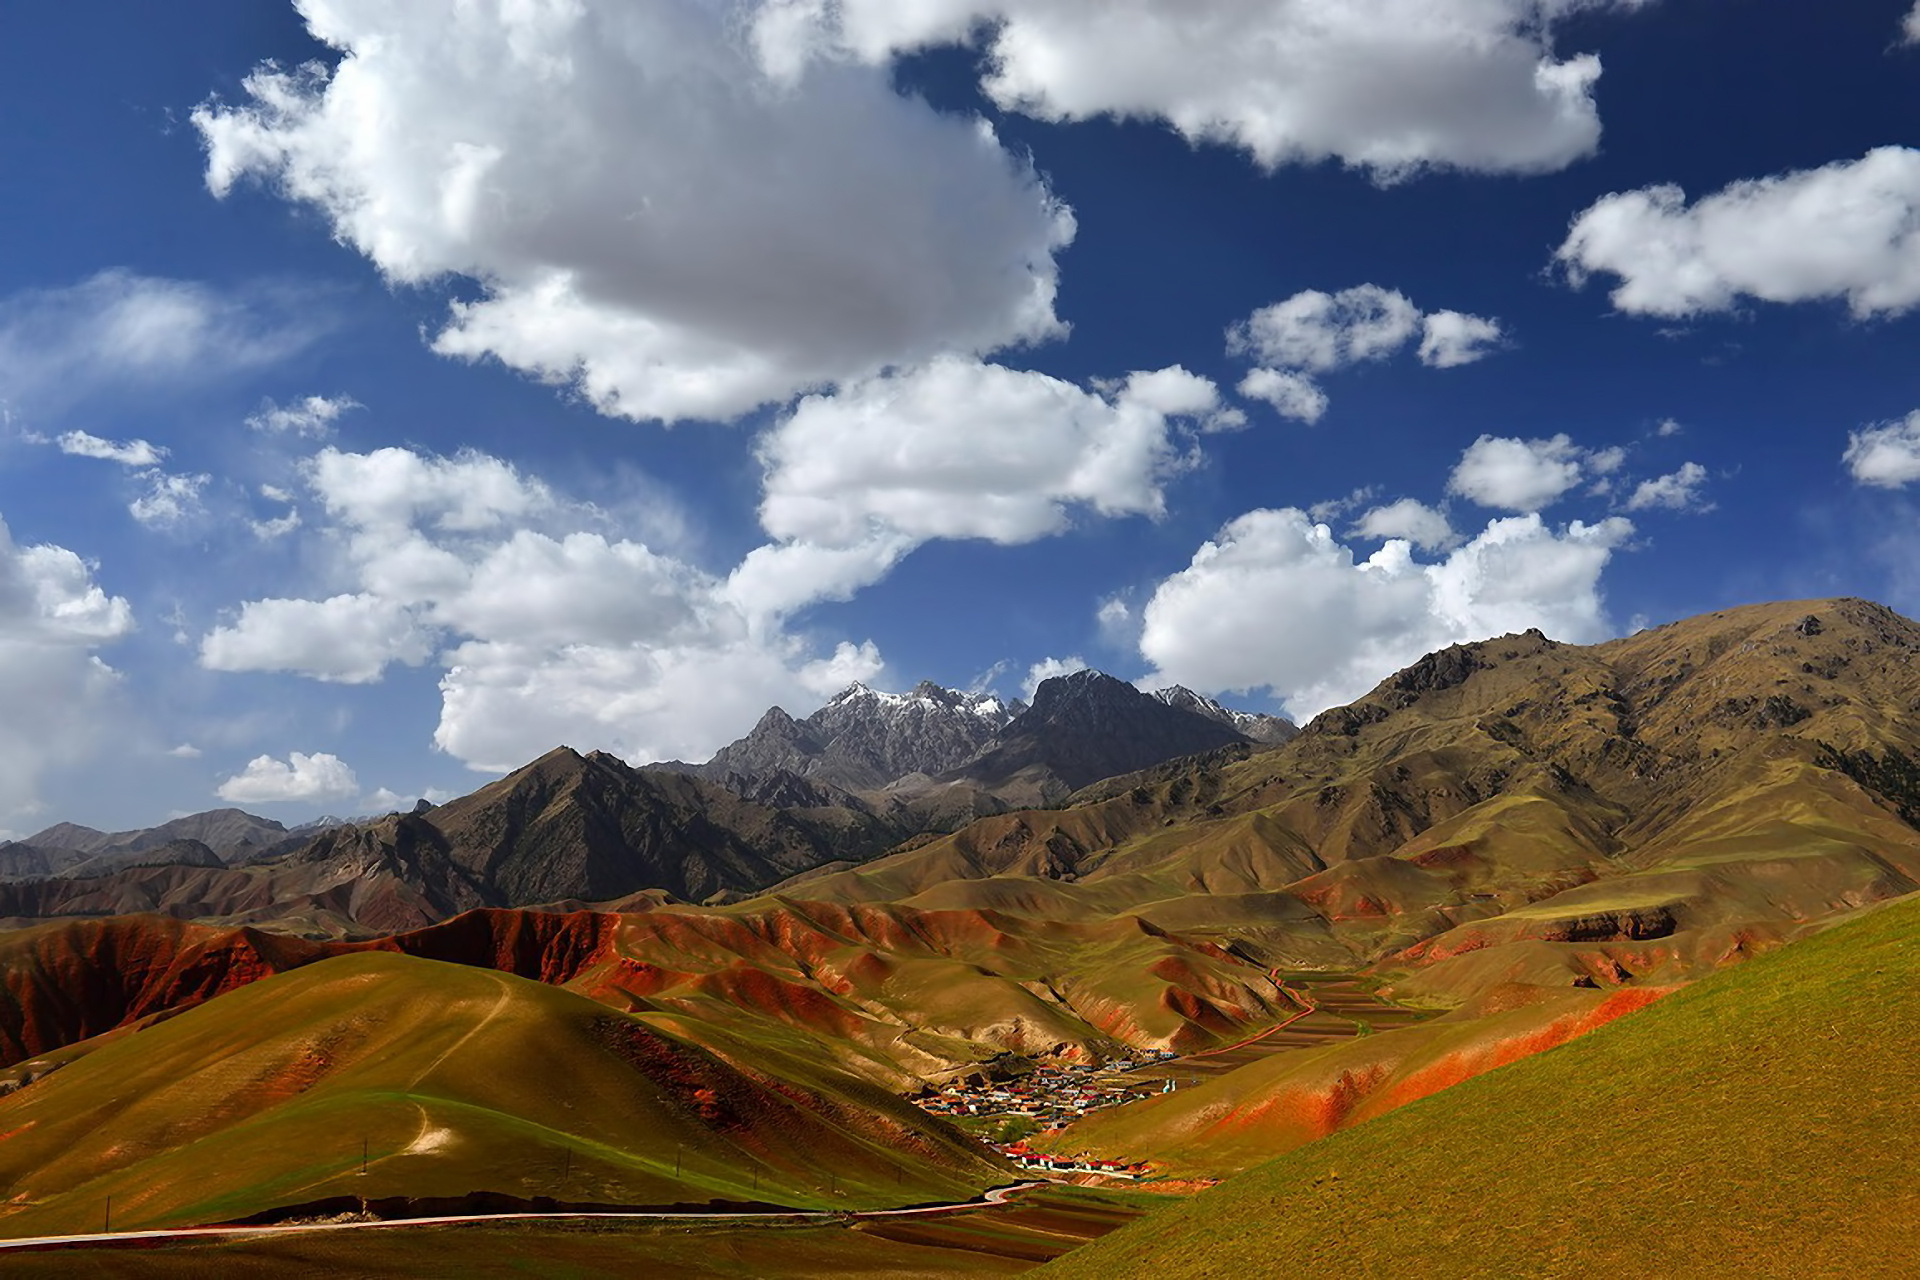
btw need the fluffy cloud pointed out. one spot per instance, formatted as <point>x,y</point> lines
<point>1847,230</point>
<point>1526,475</point>
<point>1319,332</point>
<point>309,416</point>
<point>128,453</point>
<point>118,331</point>
<point>48,597</point>
<point>1410,519</point>
<point>1449,339</point>
<point>1910,27</point>
<point>959,449</point>
<point>59,697</point>
<point>1886,456</point>
<point>1047,669</point>
<point>504,703</point>
<point>1275,602</point>
<point>756,236</point>
<point>1293,395</point>
<point>1315,333</point>
<point>301,777</point>
<point>547,631</point>
<point>1390,86</point>
<point>782,578</point>
<point>1679,491</point>
<point>344,639</point>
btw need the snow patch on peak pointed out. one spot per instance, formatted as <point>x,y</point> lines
<point>928,695</point>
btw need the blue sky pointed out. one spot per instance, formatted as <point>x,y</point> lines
<point>393,392</point>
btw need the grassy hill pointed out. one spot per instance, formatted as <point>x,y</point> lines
<point>1758,1123</point>
<point>1526,836</point>
<point>457,1080</point>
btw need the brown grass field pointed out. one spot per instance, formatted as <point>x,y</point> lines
<point>1758,1123</point>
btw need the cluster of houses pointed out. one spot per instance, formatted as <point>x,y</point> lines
<point>1041,1162</point>
<point>1050,1096</point>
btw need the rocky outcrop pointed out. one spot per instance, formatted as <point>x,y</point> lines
<point>1087,726</point>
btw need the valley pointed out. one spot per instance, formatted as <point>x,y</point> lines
<point>593,986</point>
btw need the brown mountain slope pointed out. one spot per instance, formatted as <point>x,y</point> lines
<point>1744,771</point>
<point>566,826</point>
<point>895,994</point>
<point>1498,828</point>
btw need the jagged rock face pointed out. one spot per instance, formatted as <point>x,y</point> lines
<point>865,739</point>
<point>778,744</point>
<point>887,736</point>
<point>1088,726</point>
<point>1253,725</point>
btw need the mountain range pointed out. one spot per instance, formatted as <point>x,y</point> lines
<point>935,759</point>
<point>1508,845</point>
<point>573,828</point>
<point>218,837</point>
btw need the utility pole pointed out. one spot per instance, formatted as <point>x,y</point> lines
<point>109,1223</point>
<point>677,1150</point>
<point>363,1157</point>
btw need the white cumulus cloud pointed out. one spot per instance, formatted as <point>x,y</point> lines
<point>960,449</point>
<point>1449,339</point>
<point>1293,395</point>
<point>1886,456</point>
<point>649,216</point>
<point>1678,491</point>
<point>1389,86</point>
<point>128,453</point>
<point>545,628</point>
<point>1275,602</point>
<point>1424,526</point>
<point>1526,475</point>
<point>1910,26</point>
<point>1319,332</point>
<point>310,778</point>
<point>1848,230</point>
<point>344,639</point>
<point>60,698</point>
<point>1314,332</point>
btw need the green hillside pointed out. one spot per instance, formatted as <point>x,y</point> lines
<point>1759,1123</point>
<point>447,1080</point>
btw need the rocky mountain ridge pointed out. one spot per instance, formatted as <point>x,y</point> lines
<point>864,739</point>
<point>565,827</point>
<point>938,757</point>
<point>230,837</point>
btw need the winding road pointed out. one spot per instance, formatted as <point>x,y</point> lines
<point>795,1217</point>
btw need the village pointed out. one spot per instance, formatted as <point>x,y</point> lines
<point>1050,1097</point>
